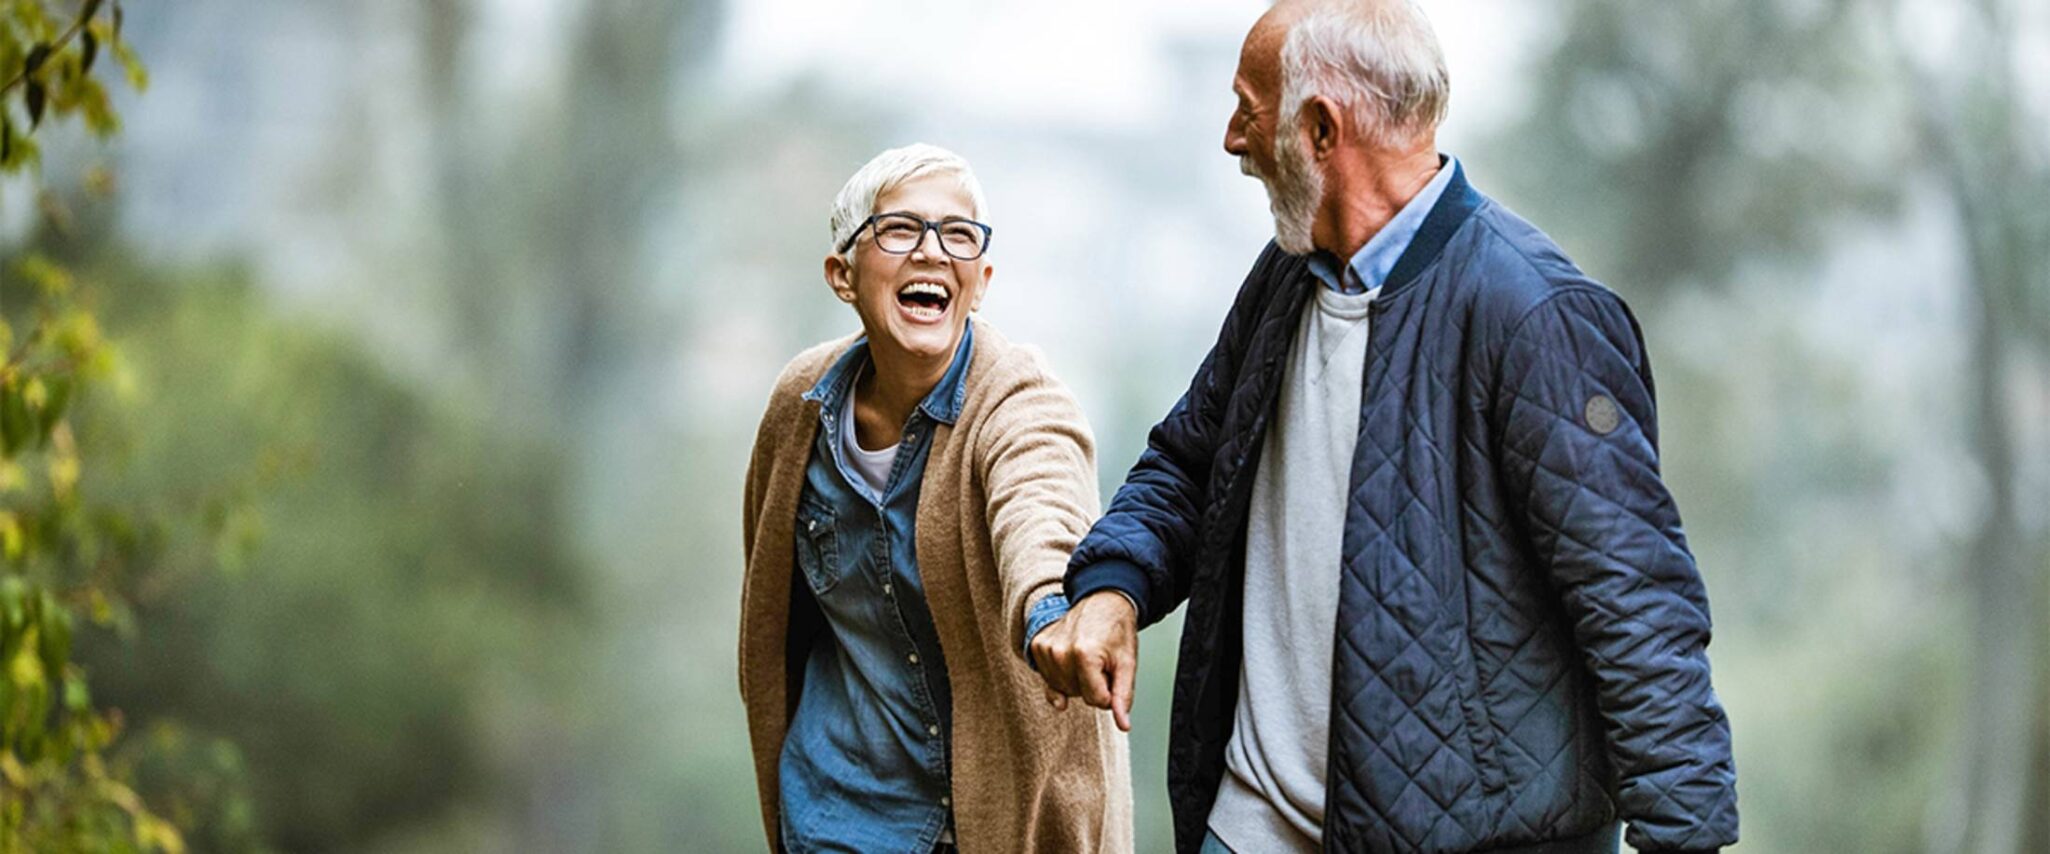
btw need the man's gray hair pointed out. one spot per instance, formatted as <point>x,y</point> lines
<point>857,200</point>
<point>1379,59</point>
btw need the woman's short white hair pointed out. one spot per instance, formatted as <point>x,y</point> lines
<point>857,200</point>
<point>1379,59</point>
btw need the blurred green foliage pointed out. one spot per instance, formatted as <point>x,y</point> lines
<point>297,576</point>
<point>408,564</point>
<point>71,560</point>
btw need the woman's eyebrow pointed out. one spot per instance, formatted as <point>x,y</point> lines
<point>940,218</point>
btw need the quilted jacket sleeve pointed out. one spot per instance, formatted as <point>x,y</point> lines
<point>1142,545</point>
<point>1579,448</point>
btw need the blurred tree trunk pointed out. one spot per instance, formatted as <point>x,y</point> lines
<point>546,233</point>
<point>1972,119</point>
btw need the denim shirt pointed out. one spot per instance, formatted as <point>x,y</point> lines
<point>865,764</point>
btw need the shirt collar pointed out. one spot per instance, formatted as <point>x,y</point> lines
<point>1372,264</point>
<point>942,404</point>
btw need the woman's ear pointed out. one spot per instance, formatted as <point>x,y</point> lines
<point>840,277</point>
<point>988,272</point>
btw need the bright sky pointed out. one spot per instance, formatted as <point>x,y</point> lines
<point>1096,65</point>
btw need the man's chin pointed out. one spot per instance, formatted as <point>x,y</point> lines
<point>1291,242</point>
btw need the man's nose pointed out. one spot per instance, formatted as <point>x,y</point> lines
<point>1235,138</point>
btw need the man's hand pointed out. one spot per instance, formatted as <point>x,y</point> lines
<point>1092,653</point>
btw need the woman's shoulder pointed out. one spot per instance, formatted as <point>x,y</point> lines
<point>1014,383</point>
<point>1000,366</point>
<point>806,368</point>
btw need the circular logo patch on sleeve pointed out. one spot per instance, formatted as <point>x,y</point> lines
<point>1602,414</point>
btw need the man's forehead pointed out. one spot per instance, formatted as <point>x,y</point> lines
<point>1260,56</point>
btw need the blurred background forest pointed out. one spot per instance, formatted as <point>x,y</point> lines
<point>440,330</point>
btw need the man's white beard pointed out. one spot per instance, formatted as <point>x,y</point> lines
<point>1292,192</point>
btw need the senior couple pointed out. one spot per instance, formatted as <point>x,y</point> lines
<point>1438,597</point>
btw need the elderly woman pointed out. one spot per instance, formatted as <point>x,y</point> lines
<point>911,502</point>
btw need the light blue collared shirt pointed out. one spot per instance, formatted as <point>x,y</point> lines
<point>1372,264</point>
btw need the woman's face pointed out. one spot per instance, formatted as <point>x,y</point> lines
<point>916,303</point>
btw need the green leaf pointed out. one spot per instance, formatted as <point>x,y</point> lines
<point>14,421</point>
<point>138,78</point>
<point>25,670</point>
<point>55,407</point>
<point>88,50</point>
<point>56,628</point>
<point>12,591</point>
<point>76,697</point>
<point>36,56</point>
<point>34,95</point>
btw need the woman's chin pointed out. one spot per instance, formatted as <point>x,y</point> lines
<point>924,342</point>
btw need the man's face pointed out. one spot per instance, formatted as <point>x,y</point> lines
<point>1271,146</point>
<point>917,302</point>
<point>1249,135</point>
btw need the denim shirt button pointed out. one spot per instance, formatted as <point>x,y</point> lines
<point>913,657</point>
<point>932,730</point>
<point>946,801</point>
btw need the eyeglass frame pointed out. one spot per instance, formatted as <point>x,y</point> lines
<point>988,234</point>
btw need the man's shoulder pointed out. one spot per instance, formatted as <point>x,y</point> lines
<point>1263,297</point>
<point>1511,267</point>
<point>1272,268</point>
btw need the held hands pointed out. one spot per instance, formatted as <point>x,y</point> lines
<point>1092,653</point>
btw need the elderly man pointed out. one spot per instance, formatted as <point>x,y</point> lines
<point>1439,598</point>
<point>914,494</point>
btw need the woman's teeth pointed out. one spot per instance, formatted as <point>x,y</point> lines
<point>924,300</point>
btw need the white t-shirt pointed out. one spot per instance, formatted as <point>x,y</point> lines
<point>873,466</point>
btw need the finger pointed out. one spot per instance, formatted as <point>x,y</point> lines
<point>1095,682</point>
<point>1061,677</point>
<point>1056,699</point>
<point>1052,670</point>
<point>1123,675</point>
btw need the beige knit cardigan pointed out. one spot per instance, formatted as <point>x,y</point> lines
<point>1008,491</point>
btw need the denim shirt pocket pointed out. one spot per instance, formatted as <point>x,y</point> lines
<point>817,551</point>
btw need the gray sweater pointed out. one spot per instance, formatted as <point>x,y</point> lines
<point>1272,795</point>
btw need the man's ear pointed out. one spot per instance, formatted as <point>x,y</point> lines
<point>840,277</point>
<point>1325,124</point>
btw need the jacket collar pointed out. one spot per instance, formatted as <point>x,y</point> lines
<point>1452,210</point>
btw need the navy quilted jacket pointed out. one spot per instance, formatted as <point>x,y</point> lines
<point>1521,645</point>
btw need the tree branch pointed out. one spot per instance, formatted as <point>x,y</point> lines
<point>85,17</point>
